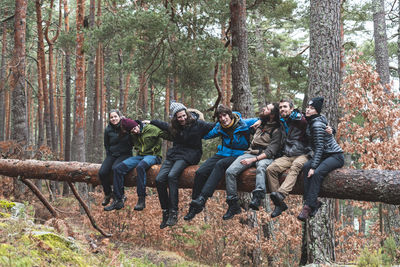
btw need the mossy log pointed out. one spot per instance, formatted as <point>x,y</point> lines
<point>366,185</point>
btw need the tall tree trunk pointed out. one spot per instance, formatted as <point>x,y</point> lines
<point>261,75</point>
<point>91,89</point>
<point>19,118</point>
<point>67,117</point>
<point>2,81</point>
<point>51,42</point>
<point>43,71</point>
<point>78,139</point>
<point>19,130</point>
<point>60,108</point>
<point>380,38</point>
<point>242,96</point>
<point>324,80</point>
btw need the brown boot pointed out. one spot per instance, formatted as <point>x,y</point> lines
<point>305,213</point>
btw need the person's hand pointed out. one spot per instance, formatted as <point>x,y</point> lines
<point>256,124</point>
<point>248,161</point>
<point>329,129</point>
<point>146,121</point>
<point>310,173</point>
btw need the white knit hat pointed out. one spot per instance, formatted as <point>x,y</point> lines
<point>175,107</point>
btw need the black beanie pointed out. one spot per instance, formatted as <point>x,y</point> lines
<point>317,103</point>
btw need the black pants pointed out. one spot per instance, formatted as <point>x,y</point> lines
<point>312,185</point>
<point>209,174</point>
<point>106,170</point>
<point>168,177</point>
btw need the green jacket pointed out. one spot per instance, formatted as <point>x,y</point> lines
<point>149,141</point>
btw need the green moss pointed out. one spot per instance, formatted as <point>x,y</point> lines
<point>4,215</point>
<point>6,204</point>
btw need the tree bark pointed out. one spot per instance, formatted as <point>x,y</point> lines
<point>324,80</point>
<point>19,118</point>
<point>43,71</point>
<point>380,38</point>
<point>364,185</point>
<point>242,97</point>
<point>78,141</point>
<point>2,81</point>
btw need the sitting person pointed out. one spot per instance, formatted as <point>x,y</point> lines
<point>294,148</point>
<point>118,145</point>
<point>146,139</point>
<point>327,157</point>
<point>186,131</point>
<point>263,149</point>
<point>235,134</point>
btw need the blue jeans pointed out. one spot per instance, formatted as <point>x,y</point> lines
<point>142,164</point>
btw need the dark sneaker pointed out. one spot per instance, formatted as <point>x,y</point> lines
<point>115,205</point>
<point>165,214</point>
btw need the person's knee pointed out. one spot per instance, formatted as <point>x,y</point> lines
<point>142,166</point>
<point>120,168</point>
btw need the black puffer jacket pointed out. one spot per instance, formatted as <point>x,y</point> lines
<point>293,129</point>
<point>115,144</point>
<point>187,143</point>
<point>320,141</point>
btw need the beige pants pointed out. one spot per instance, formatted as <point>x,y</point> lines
<point>278,166</point>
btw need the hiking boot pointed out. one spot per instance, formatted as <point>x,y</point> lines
<point>193,211</point>
<point>165,214</point>
<point>315,210</point>
<point>305,213</point>
<point>115,205</point>
<point>233,209</point>
<point>278,210</point>
<point>199,202</point>
<point>107,199</point>
<point>172,218</point>
<point>258,196</point>
<point>141,204</point>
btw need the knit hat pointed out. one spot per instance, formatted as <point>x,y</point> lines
<point>175,107</point>
<point>128,124</point>
<point>317,103</point>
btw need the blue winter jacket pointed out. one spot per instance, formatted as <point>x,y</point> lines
<point>240,140</point>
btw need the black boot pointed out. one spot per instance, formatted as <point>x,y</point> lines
<point>165,214</point>
<point>258,196</point>
<point>117,204</point>
<point>107,199</point>
<point>141,204</point>
<point>172,218</point>
<point>304,214</point>
<point>233,209</point>
<point>192,213</point>
<point>199,202</point>
<point>280,205</point>
<point>315,210</point>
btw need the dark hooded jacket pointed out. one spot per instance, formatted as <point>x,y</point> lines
<point>320,141</point>
<point>293,129</point>
<point>117,143</point>
<point>187,143</point>
<point>266,139</point>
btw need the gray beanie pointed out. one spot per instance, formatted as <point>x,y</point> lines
<point>175,107</point>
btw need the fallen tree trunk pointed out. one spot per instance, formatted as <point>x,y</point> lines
<point>366,185</point>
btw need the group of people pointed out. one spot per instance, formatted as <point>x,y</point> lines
<point>281,139</point>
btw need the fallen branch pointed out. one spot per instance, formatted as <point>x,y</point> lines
<point>85,207</point>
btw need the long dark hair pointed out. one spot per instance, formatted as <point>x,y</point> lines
<point>175,127</point>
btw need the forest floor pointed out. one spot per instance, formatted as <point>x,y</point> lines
<point>29,236</point>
